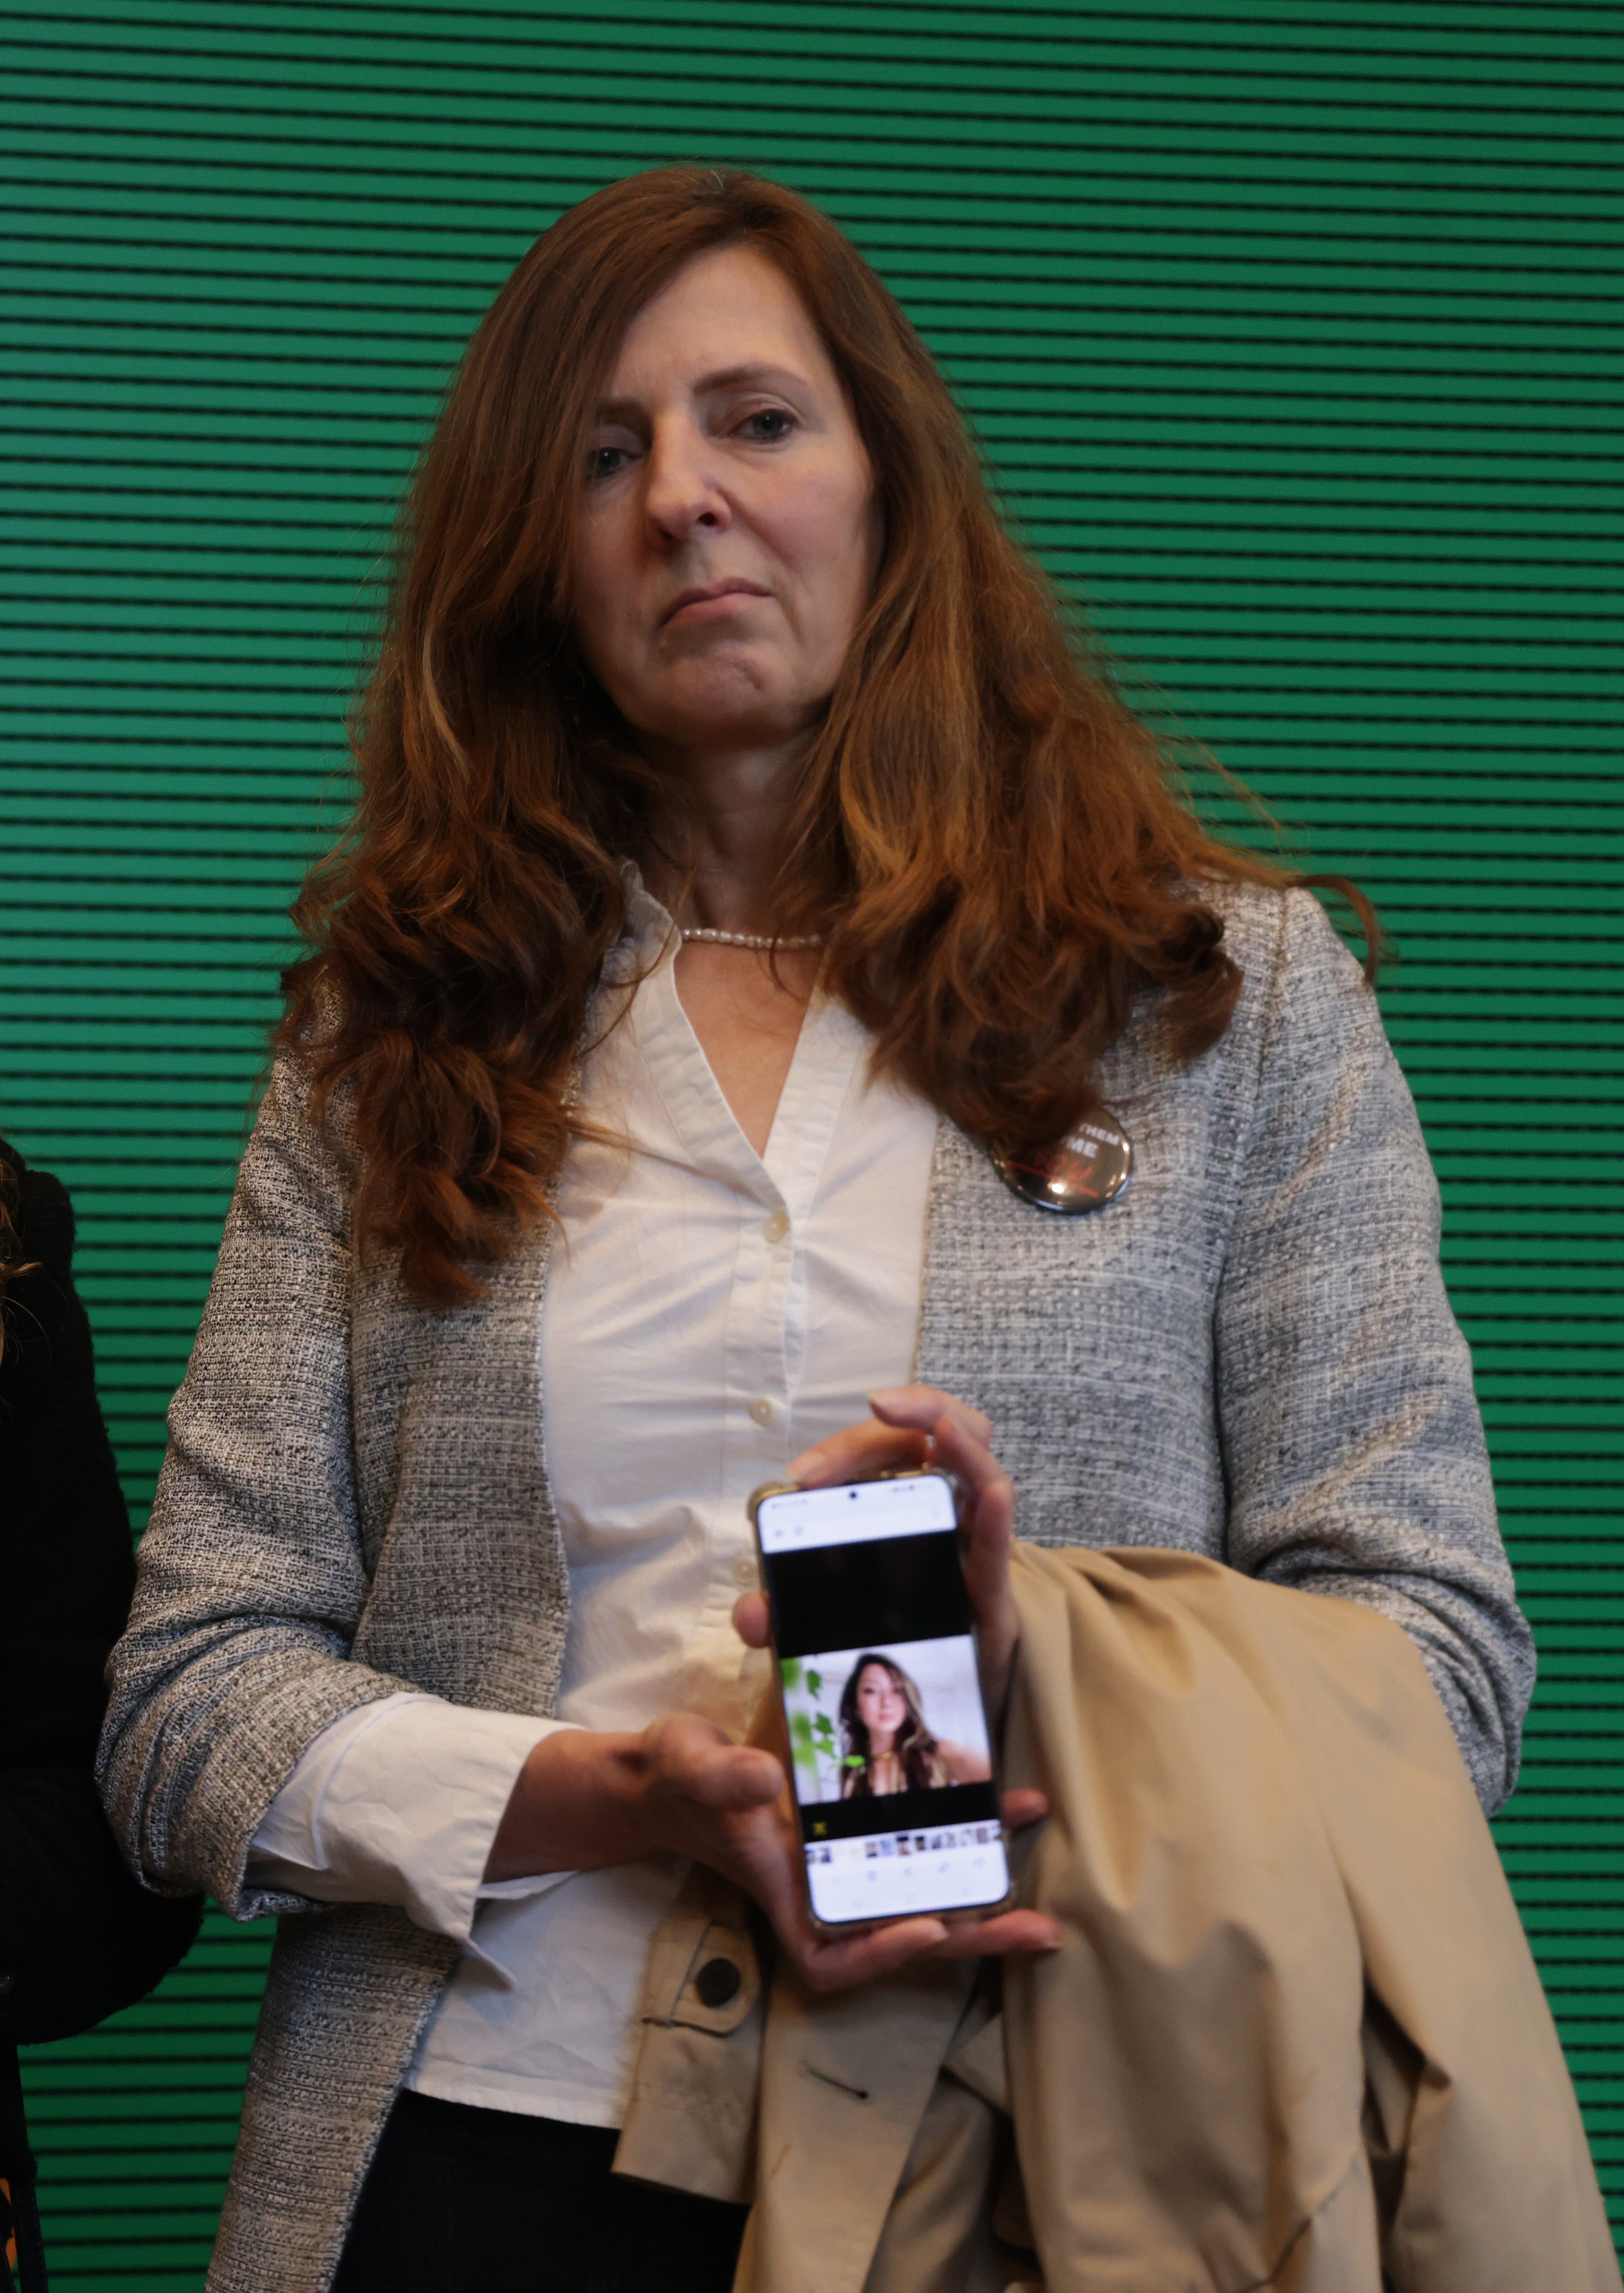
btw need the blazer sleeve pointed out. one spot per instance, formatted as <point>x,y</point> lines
<point>251,1581</point>
<point>1352,1446</point>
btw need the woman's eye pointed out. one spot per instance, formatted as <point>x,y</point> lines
<point>603,461</point>
<point>768,425</point>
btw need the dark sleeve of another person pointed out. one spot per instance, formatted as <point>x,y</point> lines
<point>78,1934</point>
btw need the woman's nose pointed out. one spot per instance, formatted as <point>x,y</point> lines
<point>682,492</point>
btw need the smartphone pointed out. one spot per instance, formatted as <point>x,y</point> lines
<point>891,1753</point>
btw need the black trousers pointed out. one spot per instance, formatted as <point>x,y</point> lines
<point>462,2200</point>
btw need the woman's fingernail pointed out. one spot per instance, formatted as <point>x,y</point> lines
<point>809,1461</point>
<point>889,1399</point>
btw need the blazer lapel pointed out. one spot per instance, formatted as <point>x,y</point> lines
<point>470,1590</point>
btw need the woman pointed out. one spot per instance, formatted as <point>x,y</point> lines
<point>744,859</point>
<point>78,1939</point>
<point>887,1745</point>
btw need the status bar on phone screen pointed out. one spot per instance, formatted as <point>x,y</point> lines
<point>857,1512</point>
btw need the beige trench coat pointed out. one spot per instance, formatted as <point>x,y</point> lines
<point>1293,2037</point>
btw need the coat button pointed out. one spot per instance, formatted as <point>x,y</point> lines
<point>717,1981</point>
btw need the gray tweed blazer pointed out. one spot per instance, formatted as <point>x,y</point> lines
<point>1249,1354</point>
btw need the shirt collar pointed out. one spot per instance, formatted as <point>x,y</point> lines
<point>649,938</point>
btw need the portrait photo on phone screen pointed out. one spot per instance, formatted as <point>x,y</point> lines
<point>879,1724</point>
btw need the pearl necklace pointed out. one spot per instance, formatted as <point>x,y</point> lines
<point>746,939</point>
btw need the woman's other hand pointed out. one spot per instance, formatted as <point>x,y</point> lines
<point>921,1425</point>
<point>585,1799</point>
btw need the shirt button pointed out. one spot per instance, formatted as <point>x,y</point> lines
<point>761,1410</point>
<point>775,1228</point>
<point>744,1570</point>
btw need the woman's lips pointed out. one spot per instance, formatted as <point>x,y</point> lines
<point>710,604</point>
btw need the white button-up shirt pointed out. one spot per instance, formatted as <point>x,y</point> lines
<point>709,1313</point>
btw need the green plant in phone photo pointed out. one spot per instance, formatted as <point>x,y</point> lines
<point>813,1746</point>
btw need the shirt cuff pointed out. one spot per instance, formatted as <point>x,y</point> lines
<point>398,1803</point>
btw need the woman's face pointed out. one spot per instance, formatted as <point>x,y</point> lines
<point>879,1702</point>
<point>728,529</point>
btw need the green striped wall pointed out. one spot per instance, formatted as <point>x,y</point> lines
<point>1286,326</point>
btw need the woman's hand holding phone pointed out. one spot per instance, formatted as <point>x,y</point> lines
<point>921,1425</point>
<point>585,1798</point>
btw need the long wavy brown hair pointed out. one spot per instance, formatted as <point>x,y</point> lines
<point>986,837</point>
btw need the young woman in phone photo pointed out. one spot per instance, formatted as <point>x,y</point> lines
<point>752,873</point>
<point>886,1743</point>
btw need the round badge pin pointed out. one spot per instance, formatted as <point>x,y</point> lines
<point>1088,1169</point>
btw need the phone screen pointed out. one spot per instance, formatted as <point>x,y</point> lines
<point>889,1756</point>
